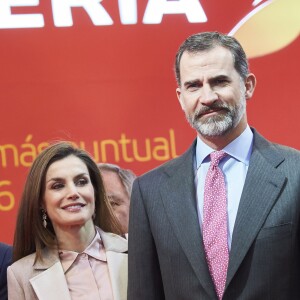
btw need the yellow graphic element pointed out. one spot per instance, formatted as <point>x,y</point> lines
<point>270,27</point>
<point>6,194</point>
<point>159,148</point>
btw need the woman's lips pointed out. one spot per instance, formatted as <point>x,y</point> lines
<point>73,207</point>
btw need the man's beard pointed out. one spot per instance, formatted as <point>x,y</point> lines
<point>219,124</point>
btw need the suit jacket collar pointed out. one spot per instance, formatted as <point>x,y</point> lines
<point>51,282</point>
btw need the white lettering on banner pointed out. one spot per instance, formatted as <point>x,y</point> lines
<point>62,12</point>
<point>128,11</point>
<point>9,20</point>
<point>157,8</point>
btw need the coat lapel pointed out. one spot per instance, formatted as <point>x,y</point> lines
<point>262,187</point>
<point>51,282</point>
<point>116,249</point>
<point>179,198</point>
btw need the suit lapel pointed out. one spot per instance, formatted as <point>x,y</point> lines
<point>179,199</point>
<point>262,187</point>
<point>116,249</point>
<point>51,283</point>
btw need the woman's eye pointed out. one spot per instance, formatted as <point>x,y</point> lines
<point>57,186</point>
<point>82,182</point>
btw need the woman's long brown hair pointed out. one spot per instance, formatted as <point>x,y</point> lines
<point>30,235</point>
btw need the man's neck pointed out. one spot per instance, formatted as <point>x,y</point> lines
<point>220,142</point>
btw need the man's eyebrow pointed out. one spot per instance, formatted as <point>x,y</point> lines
<point>191,82</point>
<point>219,77</point>
<point>114,198</point>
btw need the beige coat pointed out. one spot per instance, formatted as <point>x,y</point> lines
<point>46,280</point>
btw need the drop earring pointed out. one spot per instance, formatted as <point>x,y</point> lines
<point>44,218</point>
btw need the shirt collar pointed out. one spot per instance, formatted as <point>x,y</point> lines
<point>95,250</point>
<point>240,148</point>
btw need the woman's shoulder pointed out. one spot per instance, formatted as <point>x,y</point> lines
<point>23,262</point>
<point>29,266</point>
<point>21,270</point>
<point>47,258</point>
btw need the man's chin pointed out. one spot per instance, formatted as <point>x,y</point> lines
<point>212,130</point>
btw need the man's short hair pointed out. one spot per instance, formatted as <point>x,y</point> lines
<point>208,40</point>
<point>126,176</point>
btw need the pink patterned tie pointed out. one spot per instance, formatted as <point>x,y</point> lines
<point>215,223</point>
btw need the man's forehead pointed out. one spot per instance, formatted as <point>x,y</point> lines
<point>214,62</point>
<point>207,57</point>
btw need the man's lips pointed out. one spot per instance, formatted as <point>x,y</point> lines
<point>211,111</point>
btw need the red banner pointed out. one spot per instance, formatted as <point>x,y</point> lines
<point>100,73</point>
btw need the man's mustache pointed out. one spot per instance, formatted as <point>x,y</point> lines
<point>208,108</point>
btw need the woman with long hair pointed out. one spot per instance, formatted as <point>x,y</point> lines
<point>67,243</point>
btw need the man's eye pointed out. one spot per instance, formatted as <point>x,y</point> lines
<point>114,203</point>
<point>221,81</point>
<point>192,87</point>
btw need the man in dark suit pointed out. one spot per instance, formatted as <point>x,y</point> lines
<point>183,243</point>
<point>5,261</point>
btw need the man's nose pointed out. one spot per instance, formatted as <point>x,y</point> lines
<point>208,95</point>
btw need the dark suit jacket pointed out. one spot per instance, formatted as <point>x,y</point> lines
<point>166,256</point>
<point>5,261</point>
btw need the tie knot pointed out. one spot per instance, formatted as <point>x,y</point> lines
<point>216,156</point>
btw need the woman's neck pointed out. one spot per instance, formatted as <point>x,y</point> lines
<point>75,238</point>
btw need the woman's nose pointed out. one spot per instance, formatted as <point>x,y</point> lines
<point>72,192</point>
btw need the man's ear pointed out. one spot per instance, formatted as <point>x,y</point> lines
<point>178,93</point>
<point>250,84</point>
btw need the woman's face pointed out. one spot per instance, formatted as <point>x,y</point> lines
<point>69,198</point>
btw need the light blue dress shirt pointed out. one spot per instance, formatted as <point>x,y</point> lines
<point>234,167</point>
